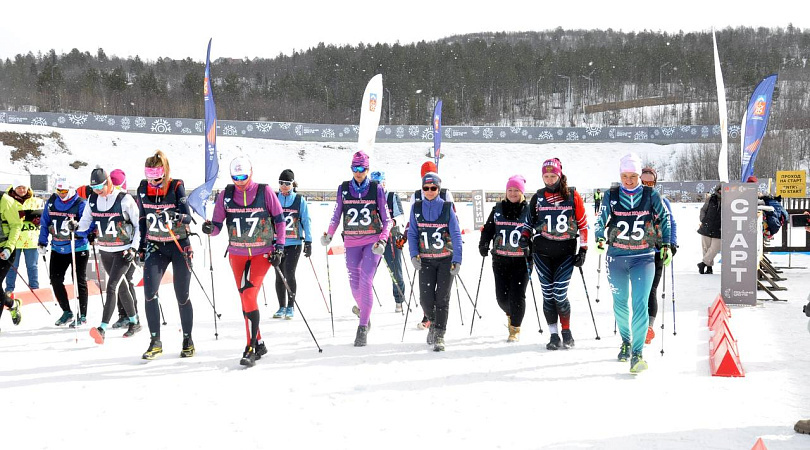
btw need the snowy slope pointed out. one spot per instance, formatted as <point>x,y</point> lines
<point>466,166</point>
<point>60,390</point>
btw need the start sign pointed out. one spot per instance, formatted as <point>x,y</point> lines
<point>738,279</point>
<point>791,183</point>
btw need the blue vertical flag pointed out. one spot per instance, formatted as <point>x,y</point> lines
<point>437,133</point>
<point>199,196</point>
<point>756,119</point>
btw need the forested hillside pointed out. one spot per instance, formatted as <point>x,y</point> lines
<point>559,77</point>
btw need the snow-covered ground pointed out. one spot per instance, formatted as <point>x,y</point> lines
<point>325,165</point>
<point>58,392</point>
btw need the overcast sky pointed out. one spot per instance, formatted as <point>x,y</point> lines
<point>265,28</point>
